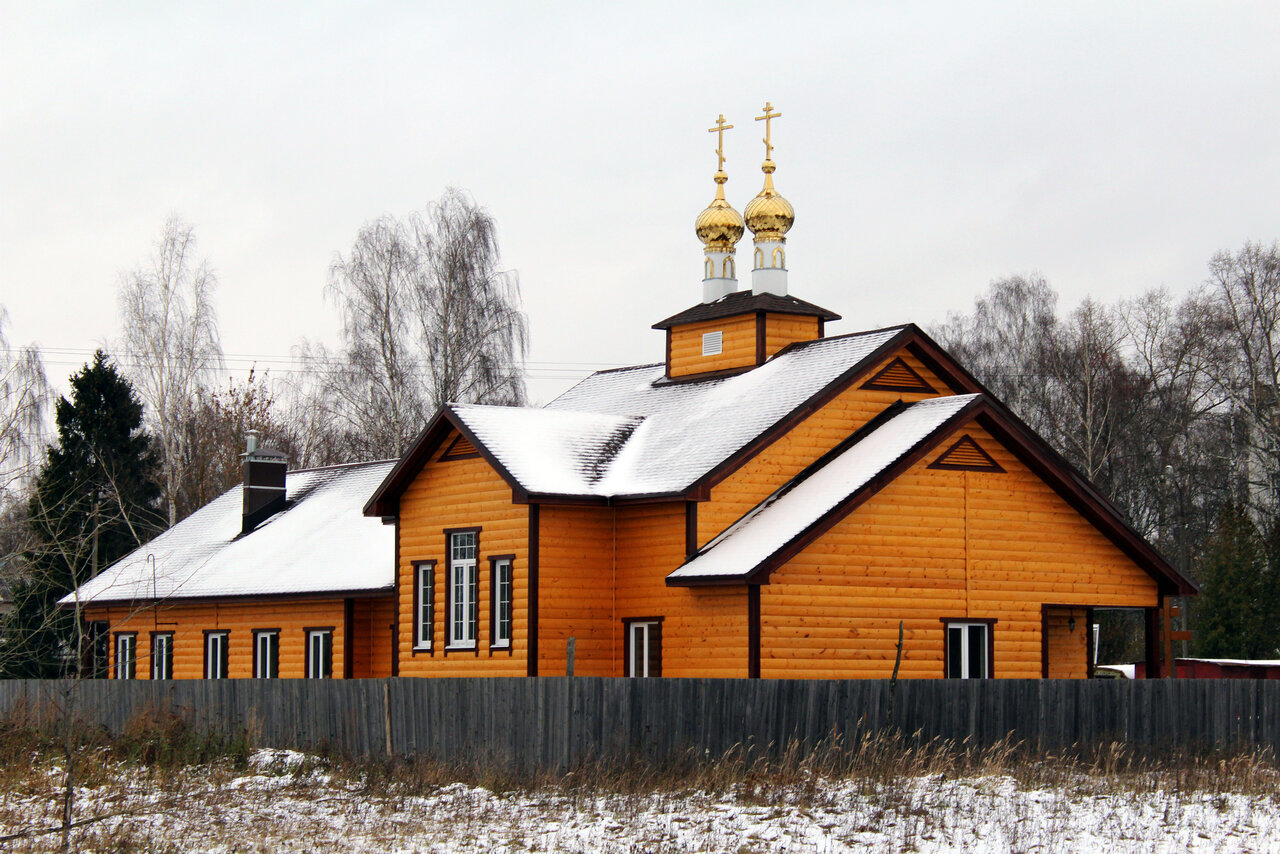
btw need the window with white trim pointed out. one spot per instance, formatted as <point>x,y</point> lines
<point>266,654</point>
<point>464,587</point>
<point>319,653</point>
<point>712,343</point>
<point>968,650</point>
<point>644,648</point>
<point>501,581</point>
<point>216,654</point>
<point>162,655</point>
<point>424,604</point>
<point>126,656</point>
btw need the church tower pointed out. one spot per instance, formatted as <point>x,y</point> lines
<point>719,227</point>
<point>770,217</point>
<point>733,331</point>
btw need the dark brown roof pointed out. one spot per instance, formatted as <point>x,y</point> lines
<point>745,302</point>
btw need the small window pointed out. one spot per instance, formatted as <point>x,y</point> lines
<point>319,653</point>
<point>968,650</point>
<point>266,654</point>
<point>162,655</point>
<point>712,343</point>
<point>424,594</point>
<point>464,586</point>
<point>126,656</point>
<point>643,647</point>
<point>215,654</point>
<point>500,632</point>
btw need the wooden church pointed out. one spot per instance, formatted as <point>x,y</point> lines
<point>767,501</point>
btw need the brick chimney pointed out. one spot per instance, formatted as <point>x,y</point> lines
<point>264,490</point>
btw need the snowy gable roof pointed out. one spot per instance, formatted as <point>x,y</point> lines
<point>319,543</point>
<point>791,511</point>
<point>546,450</point>
<point>632,432</point>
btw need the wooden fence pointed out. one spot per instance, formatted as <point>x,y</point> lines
<point>554,723</point>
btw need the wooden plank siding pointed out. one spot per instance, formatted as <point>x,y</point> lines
<point>738,346</point>
<point>704,630</point>
<point>575,591</point>
<point>783,329</point>
<point>372,638</point>
<point>461,493</point>
<point>1067,646</point>
<point>936,544</point>
<point>821,431</point>
<point>189,622</point>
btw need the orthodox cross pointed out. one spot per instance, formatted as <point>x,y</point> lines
<point>719,130</point>
<point>768,116</point>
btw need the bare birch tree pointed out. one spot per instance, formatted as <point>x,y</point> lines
<point>24,406</point>
<point>171,336</point>
<point>1246,288</point>
<point>428,317</point>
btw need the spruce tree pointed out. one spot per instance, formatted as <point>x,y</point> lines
<point>1236,612</point>
<point>95,500</point>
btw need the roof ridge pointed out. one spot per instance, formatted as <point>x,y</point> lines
<point>341,466</point>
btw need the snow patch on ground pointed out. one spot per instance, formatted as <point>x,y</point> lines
<point>277,804</point>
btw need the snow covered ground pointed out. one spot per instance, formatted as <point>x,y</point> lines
<point>287,802</point>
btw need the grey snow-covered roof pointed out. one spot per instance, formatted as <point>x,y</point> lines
<point>320,543</point>
<point>796,507</point>
<point>632,432</point>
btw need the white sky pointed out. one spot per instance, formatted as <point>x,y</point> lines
<point>928,148</point>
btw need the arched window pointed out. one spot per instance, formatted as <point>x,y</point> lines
<point>730,269</point>
<point>709,270</point>
<point>779,258</point>
<point>759,257</point>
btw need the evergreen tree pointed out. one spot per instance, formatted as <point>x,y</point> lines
<point>1238,607</point>
<point>96,499</point>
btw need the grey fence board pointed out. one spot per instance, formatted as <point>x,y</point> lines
<point>551,724</point>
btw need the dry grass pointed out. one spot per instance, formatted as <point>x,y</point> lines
<point>162,786</point>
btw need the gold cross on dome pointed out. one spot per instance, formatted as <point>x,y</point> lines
<point>719,130</point>
<point>768,116</point>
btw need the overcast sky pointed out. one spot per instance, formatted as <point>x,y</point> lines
<point>928,148</point>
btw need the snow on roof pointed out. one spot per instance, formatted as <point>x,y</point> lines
<point>549,450</point>
<point>631,432</point>
<point>319,543</point>
<point>790,511</point>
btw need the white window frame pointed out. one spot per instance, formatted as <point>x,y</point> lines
<point>217,652</point>
<point>318,642</point>
<point>424,620</point>
<point>464,588</point>
<point>503,597</point>
<point>966,640</point>
<point>639,636</point>
<point>713,343</point>
<point>266,665</point>
<point>162,655</point>
<point>126,656</point>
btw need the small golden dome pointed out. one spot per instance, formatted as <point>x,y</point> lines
<point>769,215</point>
<point>719,226</point>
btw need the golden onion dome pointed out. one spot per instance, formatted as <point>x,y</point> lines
<point>769,215</point>
<point>719,226</point>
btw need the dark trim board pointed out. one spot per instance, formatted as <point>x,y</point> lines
<point>348,641</point>
<point>753,631</point>
<point>690,529</point>
<point>531,668</point>
<point>761,337</point>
